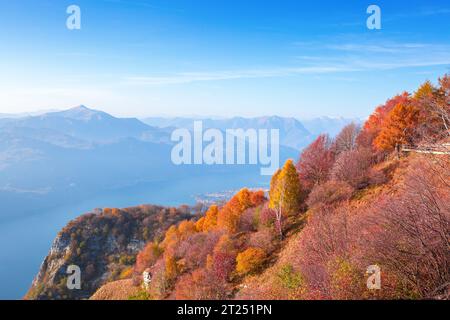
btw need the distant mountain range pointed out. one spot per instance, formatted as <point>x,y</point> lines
<point>56,165</point>
<point>331,126</point>
<point>92,125</point>
<point>57,157</point>
<point>293,133</point>
<point>26,114</point>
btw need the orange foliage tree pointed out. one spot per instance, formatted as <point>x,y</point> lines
<point>174,235</point>
<point>148,256</point>
<point>250,260</point>
<point>210,219</point>
<point>374,124</point>
<point>434,107</point>
<point>399,127</point>
<point>229,216</point>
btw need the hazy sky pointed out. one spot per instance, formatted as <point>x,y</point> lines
<point>218,57</point>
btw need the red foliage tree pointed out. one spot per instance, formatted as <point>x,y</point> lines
<point>315,162</point>
<point>353,167</point>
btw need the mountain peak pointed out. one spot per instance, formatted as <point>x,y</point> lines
<point>84,113</point>
<point>80,107</point>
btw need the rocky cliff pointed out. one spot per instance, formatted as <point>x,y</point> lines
<point>104,246</point>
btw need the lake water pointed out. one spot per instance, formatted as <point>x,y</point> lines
<point>25,242</point>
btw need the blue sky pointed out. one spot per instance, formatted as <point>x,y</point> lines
<point>218,57</point>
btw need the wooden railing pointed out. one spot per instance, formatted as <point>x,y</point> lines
<point>429,149</point>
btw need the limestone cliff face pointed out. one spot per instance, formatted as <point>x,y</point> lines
<point>103,245</point>
<point>54,262</point>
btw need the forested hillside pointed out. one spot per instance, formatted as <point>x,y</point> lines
<point>376,195</point>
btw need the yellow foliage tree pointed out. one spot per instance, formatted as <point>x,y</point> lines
<point>250,260</point>
<point>285,190</point>
<point>425,90</point>
<point>285,193</point>
<point>172,238</point>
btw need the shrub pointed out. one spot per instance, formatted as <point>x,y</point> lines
<point>250,260</point>
<point>353,167</point>
<point>141,295</point>
<point>257,198</point>
<point>267,217</point>
<point>127,260</point>
<point>195,249</point>
<point>148,256</point>
<point>329,193</point>
<point>249,220</point>
<point>418,219</point>
<point>200,285</point>
<point>160,284</point>
<point>347,281</point>
<point>222,264</point>
<point>289,278</point>
<point>126,273</point>
<point>262,239</point>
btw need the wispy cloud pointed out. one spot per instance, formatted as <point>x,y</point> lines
<point>423,12</point>
<point>332,58</point>
<point>377,48</point>
<point>189,77</point>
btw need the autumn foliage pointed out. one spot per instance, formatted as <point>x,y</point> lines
<point>285,190</point>
<point>316,162</point>
<point>229,216</point>
<point>346,205</point>
<point>250,260</point>
<point>376,121</point>
<point>399,127</point>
